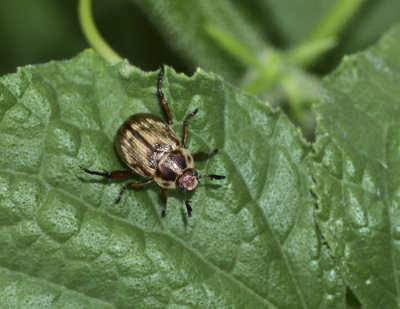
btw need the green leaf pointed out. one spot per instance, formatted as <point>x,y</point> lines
<point>356,171</point>
<point>20,291</point>
<point>251,241</point>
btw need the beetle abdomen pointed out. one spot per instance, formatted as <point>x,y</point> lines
<point>142,141</point>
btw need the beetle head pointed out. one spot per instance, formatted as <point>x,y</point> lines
<point>188,180</point>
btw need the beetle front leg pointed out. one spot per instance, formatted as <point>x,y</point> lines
<point>161,99</point>
<point>109,175</point>
<point>212,176</point>
<point>163,198</point>
<point>187,204</point>
<point>138,184</point>
<point>203,155</point>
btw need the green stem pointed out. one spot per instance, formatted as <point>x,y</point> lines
<point>273,71</point>
<point>306,53</point>
<point>325,36</point>
<point>92,34</point>
<point>336,19</point>
<point>237,50</point>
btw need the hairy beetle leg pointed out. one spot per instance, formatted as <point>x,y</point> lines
<point>160,96</point>
<point>138,184</point>
<point>163,198</point>
<point>187,204</point>
<point>212,176</point>
<point>109,175</point>
<point>185,126</point>
<point>188,208</point>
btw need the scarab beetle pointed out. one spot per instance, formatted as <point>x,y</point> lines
<point>149,147</point>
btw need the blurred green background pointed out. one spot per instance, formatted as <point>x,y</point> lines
<point>261,46</point>
<point>37,31</point>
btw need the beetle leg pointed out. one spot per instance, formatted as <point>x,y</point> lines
<point>160,95</point>
<point>187,204</point>
<point>185,126</point>
<point>109,175</point>
<point>138,184</point>
<point>163,198</point>
<point>203,155</point>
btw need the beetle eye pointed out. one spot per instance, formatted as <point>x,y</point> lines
<point>181,186</point>
<point>194,173</point>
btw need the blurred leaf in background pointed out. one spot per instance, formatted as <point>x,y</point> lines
<point>152,32</point>
<point>39,31</point>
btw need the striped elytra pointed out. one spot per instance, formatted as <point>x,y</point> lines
<point>146,144</point>
<point>149,147</point>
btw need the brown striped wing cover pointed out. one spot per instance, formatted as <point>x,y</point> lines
<point>142,140</point>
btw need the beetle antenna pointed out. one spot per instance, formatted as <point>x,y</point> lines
<point>212,176</point>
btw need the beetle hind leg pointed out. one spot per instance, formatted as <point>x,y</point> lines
<point>109,175</point>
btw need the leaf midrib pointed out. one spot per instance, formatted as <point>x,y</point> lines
<point>148,231</point>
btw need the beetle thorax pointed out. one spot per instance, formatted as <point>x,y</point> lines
<point>172,170</point>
